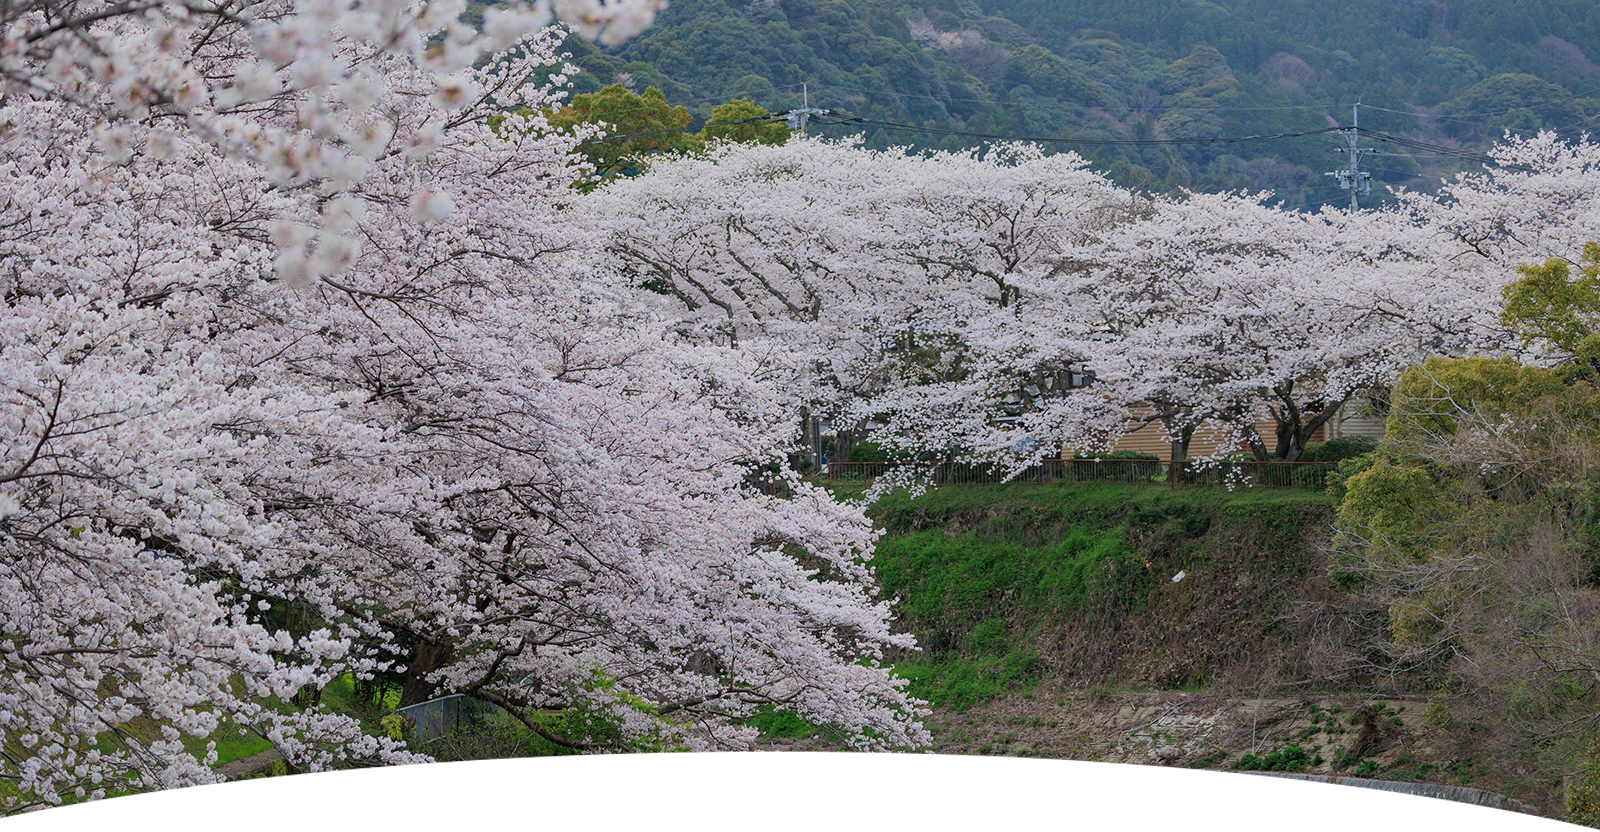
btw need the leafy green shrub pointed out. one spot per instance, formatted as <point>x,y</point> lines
<point>868,451</point>
<point>958,682</point>
<point>1309,476</point>
<point>988,637</point>
<point>1340,449</point>
<point>1118,466</point>
<point>1346,469</point>
<point>772,721</point>
<point>1583,790</point>
<point>1290,758</point>
<point>981,574</point>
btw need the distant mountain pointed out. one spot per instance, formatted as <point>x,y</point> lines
<point>1452,73</point>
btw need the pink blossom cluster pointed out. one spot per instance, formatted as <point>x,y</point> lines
<point>306,367</point>
<point>950,304</point>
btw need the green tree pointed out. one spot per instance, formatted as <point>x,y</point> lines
<point>1548,304</point>
<point>636,127</point>
<point>1429,400</point>
<point>1523,103</point>
<point>742,120</point>
<point>1473,534</point>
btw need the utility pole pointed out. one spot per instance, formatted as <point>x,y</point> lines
<point>1355,180</point>
<point>797,118</point>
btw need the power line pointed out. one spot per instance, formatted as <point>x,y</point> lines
<point>1464,117</point>
<point>647,134</point>
<point>723,98</point>
<point>1441,150</point>
<point>857,121</point>
<point>843,120</point>
<point>1571,128</point>
<point>838,119</point>
<point>1319,107</point>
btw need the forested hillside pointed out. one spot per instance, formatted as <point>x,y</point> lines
<point>1456,73</point>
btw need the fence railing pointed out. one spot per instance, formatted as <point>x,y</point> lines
<point>434,718</point>
<point>1272,474</point>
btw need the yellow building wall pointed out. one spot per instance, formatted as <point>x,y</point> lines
<point>1211,437</point>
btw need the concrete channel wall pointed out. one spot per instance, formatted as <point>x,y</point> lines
<point>1141,799</point>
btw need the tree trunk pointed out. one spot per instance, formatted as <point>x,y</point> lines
<point>431,655</point>
<point>811,438</point>
<point>1180,447</point>
<point>844,444</point>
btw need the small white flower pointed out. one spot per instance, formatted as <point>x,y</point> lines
<point>424,141</point>
<point>295,269</point>
<point>361,91</point>
<point>455,92</point>
<point>369,138</point>
<point>431,206</point>
<point>256,82</point>
<point>502,28</point>
<point>314,71</point>
<point>117,143</point>
<point>161,144</point>
<point>362,26</point>
<point>342,213</point>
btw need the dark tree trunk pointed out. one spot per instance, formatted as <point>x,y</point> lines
<point>1294,428</point>
<point>431,655</point>
<point>844,443</point>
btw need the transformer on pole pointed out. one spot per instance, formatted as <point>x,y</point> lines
<point>1354,179</point>
<point>797,118</point>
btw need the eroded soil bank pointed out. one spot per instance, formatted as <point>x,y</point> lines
<point>1176,627</point>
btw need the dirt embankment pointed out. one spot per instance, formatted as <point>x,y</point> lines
<point>1187,629</point>
<point>1336,736</point>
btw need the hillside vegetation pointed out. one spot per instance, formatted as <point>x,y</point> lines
<point>1457,73</point>
<point>1099,584</point>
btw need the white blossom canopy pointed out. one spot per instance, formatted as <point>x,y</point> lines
<point>309,341</point>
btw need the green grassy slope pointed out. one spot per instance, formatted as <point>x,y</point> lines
<point>1006,585</point>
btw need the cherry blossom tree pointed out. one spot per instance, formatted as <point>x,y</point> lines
<point>893,281</point>
<point>1540,202</point>
<point>1216,307</point>
<point>950,298</point>
<point>309,339</point>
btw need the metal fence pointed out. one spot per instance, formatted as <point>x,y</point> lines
<point>1259,474</point>
<point>1125,471</point>
<point>436,718</point>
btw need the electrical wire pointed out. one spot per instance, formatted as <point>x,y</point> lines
<point>857,121</point>
<point>1574,127</point>
<point>723,98</point>
<point>1441,150</point>
<point>1130,109</point>
<point>627,136</point>
<point>1464,118</point>
<point>832,118</point>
